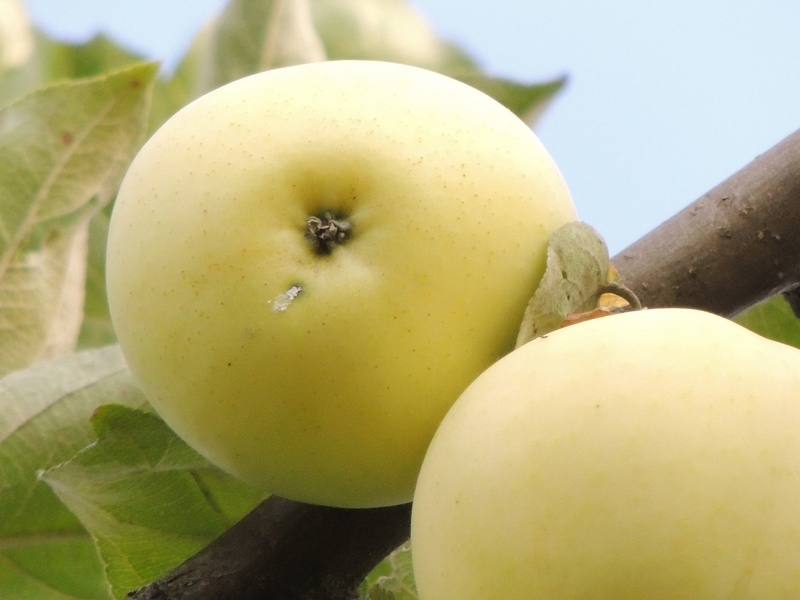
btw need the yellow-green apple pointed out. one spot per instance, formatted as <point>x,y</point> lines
<point>652,455</point>
<point>307,266</point>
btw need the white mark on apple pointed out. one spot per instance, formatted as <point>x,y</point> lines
<point>282,301</point>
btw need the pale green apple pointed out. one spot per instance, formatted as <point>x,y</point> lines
<point>322,376</point>
<point>652,455</point>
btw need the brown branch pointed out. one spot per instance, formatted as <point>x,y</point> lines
<point>286,550</point>
<point>736,245</point>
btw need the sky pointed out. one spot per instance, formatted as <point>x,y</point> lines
<point>665,99</point>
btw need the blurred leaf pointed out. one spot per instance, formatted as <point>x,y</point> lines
<point>52,61</point>
<point>390,30</point>
<point>527,101</point>
<point>577,269</point>
<point>44,420</point>
<point>250,36</point>
<point>96,328</point>
<point>149,500</point>
<point>393,30</point>
<point>97,56</point>
<point>392,579</point>
<point>773,318</point>
<point>173,93</point>
<point>255,35</point>
<point>63,151</point>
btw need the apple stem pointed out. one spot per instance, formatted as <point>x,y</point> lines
<point>616,288</point>
<point>326,232</point>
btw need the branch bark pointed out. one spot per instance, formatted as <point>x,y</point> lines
<point>736,245</point>
<point>286,550</point>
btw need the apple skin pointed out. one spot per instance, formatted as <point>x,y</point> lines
<point>331,397</point>
<point>652,455</point>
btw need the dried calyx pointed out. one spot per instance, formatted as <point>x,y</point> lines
<point>327,231</point>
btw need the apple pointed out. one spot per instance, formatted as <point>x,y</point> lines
<point>651,455</point>
<point>307,266</point>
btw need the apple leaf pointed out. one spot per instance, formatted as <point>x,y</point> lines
<point>63,151</point>
<point>54,61</point>
<point>74,61</point>
<point>392,579</point>
<point>50,61</point>
<point>254,35</point>
<point>576,273</point>
<point>174,92</point>
<point>250,36</point>
<point>527,101</point>
<point>773,318</point>
<point>96,328</point>
<point>393,30</point>
<point>44,420</point>
<point>389,30</point>
<point>148,499</point>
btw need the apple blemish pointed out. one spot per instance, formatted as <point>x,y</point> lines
<point>282,301</point>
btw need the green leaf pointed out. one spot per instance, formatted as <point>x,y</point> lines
<point>527,101</point>
<point>73,61</point>
<point>63,151</point>
<point>393,30</point>
<point>173,93</point>
<point>250,36</point>
<point>96,328</point>
<point>577,271</point>
<point>57,569</point>
<point>148,499</point>
<point>392,579</point>
<point>51,61</point>
<point>255,35</point>
<point>773,318</point>
<point>390,30</point>
<point>44,420</point>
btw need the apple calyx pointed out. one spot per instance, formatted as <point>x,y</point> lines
<point>327,231</point>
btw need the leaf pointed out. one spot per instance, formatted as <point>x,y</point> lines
<point>576,273</point>
<point>44,419</point>
<point>148,499</point>
<point>96,328</point>
<point>527,101</point>
<point>63,151</point>
<point>51,61</point>
<point>250,36</point>
<point>392,579</point>
<point>173,93</point>
<point>773,318</point>
<point>393,30</point>
<point>98,56</point>
<point>389,30</point>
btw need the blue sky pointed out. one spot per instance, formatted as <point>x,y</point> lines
<point>665,100</point>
